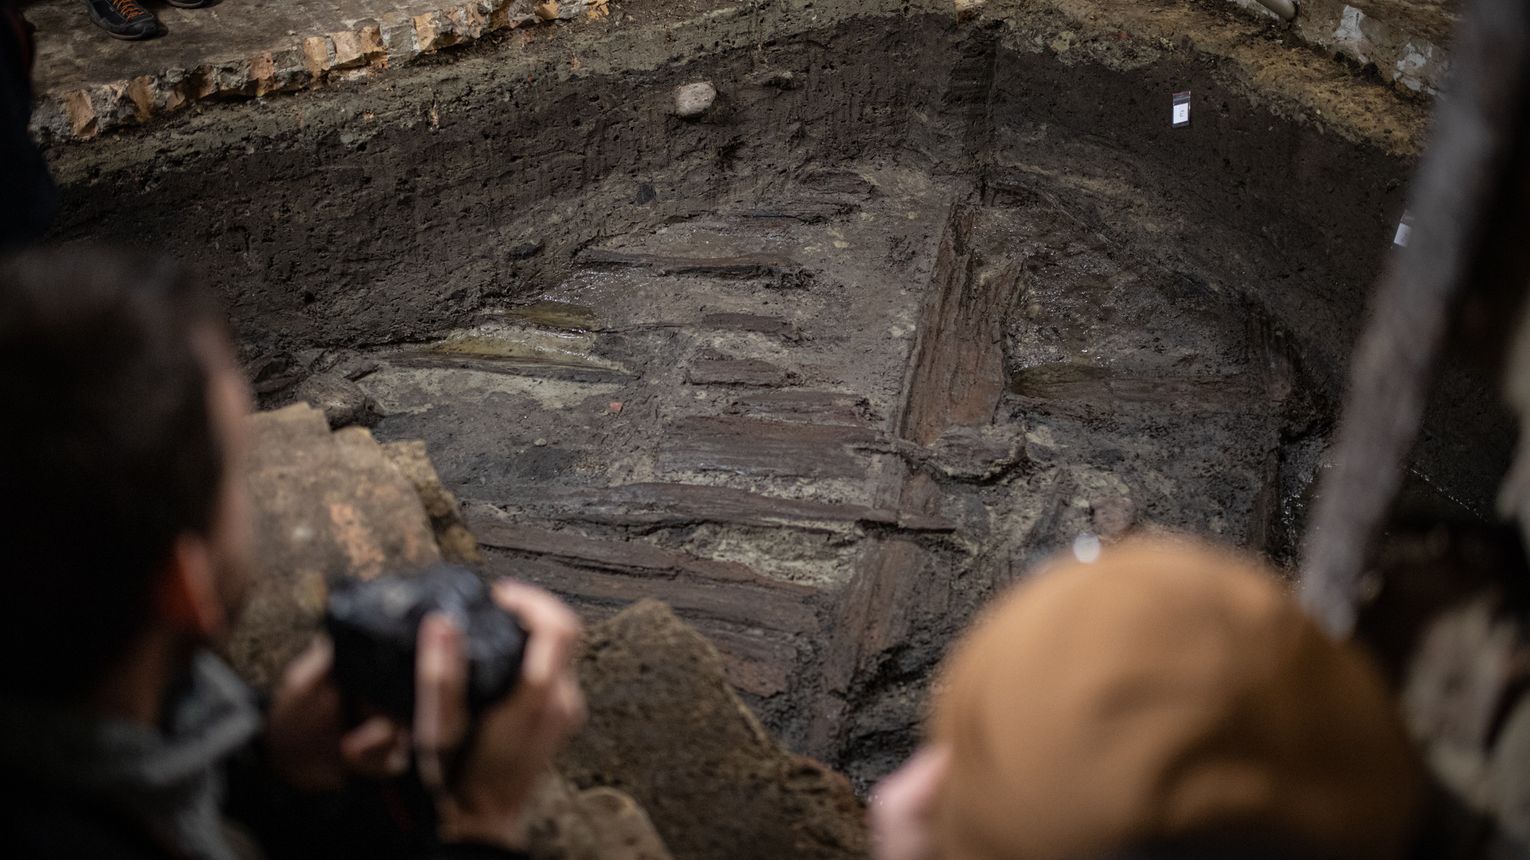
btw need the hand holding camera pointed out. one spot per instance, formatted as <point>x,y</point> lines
<point>476,682</point>
<point>516,739</point>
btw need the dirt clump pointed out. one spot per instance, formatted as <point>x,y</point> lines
<point>666,728</point>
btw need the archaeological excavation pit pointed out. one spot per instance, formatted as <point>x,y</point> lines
<point>914,302</point>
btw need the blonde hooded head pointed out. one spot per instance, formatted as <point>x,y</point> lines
<point>1168,694</point>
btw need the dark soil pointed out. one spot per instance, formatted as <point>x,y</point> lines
<point>916,304</point>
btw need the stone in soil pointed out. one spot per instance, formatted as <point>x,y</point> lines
<point>693,100</point>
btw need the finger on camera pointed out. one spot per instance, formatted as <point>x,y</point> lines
<point>311,668</point>
<point>571,710</point>
<point>552,629</point>
<point>557,721</point>
<point>442,681</point>
<point>561,713</point>
<point>440,717</point>
<point>377,748</point>
<point>538,610</point>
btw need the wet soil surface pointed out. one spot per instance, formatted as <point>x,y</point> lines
<point>865,375</point>
<point>912,307</point>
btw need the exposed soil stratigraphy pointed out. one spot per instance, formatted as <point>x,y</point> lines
<point>913,304</point>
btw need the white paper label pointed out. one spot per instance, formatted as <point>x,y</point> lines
<point>1404,230</point>
<point>1181,115</point>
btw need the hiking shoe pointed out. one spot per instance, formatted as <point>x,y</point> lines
<point>124,19</point>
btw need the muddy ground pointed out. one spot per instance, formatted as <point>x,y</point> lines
<point>918,302</point>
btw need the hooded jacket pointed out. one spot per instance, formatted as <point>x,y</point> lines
<point>194,789</point>
<point>85,786</point>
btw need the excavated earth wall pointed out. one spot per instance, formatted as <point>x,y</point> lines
<point>920,298</point>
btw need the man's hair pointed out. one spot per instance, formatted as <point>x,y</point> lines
<point>108,454</point>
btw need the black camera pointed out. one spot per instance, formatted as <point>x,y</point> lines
<point>375,627</point>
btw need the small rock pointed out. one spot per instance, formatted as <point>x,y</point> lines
<point>779,79</point>
<point>457,544</point>
<point>1114,517</point>
<point>341,400</point>
<point>668,730</point>
<point>621,828</point>
<point>1063,43</point>
<point>693,100</point>
<point>616,406</point>
<point>547,11</point>
<point>599,824</point>
<point>540,442</point>
<point>526,250</point>
<point>352,366</point>
<point>270,374</point>
<point>974,454</point>
<point>1033,311</point>
<point>327,505</point>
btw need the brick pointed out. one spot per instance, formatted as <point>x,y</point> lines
<point>201,83</point>
<point>371,39</point>
<point>399,39</point>
<point>289,72</point>
<point>348,51</point>
<point>231,78</point>
<point>432,31</point>
<point>514,14</point>
<point>144,93</point>
<point>175,90</point>
<point>262,70</point>
<point>468,23</point>
<point>114,107</point>
<point>327,504</point>
<point>82,114</point>
<point>318,55</point>
<point>173,98</point>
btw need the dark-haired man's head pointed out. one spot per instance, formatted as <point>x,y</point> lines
<point>125,532</point>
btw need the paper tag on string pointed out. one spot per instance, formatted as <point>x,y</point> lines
<point>1404,230</point>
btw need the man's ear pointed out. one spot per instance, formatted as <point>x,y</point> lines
<point>188,598</point>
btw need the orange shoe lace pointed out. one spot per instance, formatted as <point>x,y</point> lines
<point>128,9</point>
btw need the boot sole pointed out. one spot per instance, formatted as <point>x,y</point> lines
<point>130,37</point>
<point>126,37</point>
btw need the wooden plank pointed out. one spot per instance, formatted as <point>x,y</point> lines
<point>749,446</point>
<point>957,376</point>
<point>758,603</point>
<point>752,322</point>
<point>818,407</point>
<point>727,370</point>
<point>736,266</point>
<point>663,505</point>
